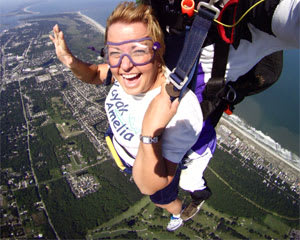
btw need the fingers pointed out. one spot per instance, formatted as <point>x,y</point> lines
<point>174,105</point>
<point>56,28</point>
<point>164,92</point>
<point>59,41</point>
<point>163,89</point>
<point>52,39</point>
<point>61,36</point>
<point>57,34</point>
<point>160,111</point>
<point>166,100</point>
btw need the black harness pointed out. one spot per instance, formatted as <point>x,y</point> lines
<point>219,96</point>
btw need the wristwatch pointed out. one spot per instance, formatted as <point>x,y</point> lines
<point>149,140</point>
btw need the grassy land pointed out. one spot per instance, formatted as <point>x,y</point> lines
<point>147,222</point>
<point>62,116</point>
<point>235,218</point>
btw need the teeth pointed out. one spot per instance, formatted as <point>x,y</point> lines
<point>129,76</point>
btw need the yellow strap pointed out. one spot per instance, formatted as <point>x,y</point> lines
<point>114,153</point>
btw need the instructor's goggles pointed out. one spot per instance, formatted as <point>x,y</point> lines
<point>139,51</point>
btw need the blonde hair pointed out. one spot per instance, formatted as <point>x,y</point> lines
<point>130,12</point>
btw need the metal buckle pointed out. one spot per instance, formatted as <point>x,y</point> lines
<point>210,6</point>
<point>231,92</point>
<point>181,84</point>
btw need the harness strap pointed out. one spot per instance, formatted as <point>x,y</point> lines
<point>216,90</point>
<point>188,60</point>
<point>220,59</point>
<point>218,96</point>
<point>108,79</point>
<point>114,153</point>
<point>118,159</point>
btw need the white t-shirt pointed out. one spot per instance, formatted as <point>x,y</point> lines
<point>126,113</point>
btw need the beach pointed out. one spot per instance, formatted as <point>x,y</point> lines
<point>269,150</point>
<point>26,10</point>
<point>91,21</point>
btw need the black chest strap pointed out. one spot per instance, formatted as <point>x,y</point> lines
<point>216,89</point>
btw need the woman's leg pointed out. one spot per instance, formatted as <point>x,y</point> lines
<point>172,207</point>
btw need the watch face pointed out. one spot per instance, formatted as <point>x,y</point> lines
<point>148,140</point>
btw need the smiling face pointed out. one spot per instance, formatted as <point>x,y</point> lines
<point>134,79</point>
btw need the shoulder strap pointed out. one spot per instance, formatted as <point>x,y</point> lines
<point>215,89</point>
<point>188,60</point>
<point>108,79</point>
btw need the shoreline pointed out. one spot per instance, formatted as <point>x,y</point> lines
<point>92,22</point>
<point>28,11</point>
<point>272,152</point>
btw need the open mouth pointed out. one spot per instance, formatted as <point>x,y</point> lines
<point>131,79</point>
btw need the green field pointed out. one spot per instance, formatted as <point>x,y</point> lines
<point>227,215</point>
<point>63,118</point>
<point>145,221</point>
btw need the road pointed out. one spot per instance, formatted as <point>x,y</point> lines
<point>28,140</point>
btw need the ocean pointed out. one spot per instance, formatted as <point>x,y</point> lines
<point>96,9</point>
<point>275,111</point>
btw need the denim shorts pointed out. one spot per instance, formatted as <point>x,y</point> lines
<point>169,193</point>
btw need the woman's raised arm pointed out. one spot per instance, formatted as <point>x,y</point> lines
<point>89,73</point>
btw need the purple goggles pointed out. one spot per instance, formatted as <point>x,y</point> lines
<point>139,51</point>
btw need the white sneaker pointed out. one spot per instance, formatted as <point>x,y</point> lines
<point>174,223</point>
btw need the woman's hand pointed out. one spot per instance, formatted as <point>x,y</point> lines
<point>160,111</point>
<point>89,73</point>
<point>151,172</point>
<point>62,51</point>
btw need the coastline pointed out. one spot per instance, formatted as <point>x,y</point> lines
<point>269,150</point>
<point>26,10</point>
<point>92,22</point>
